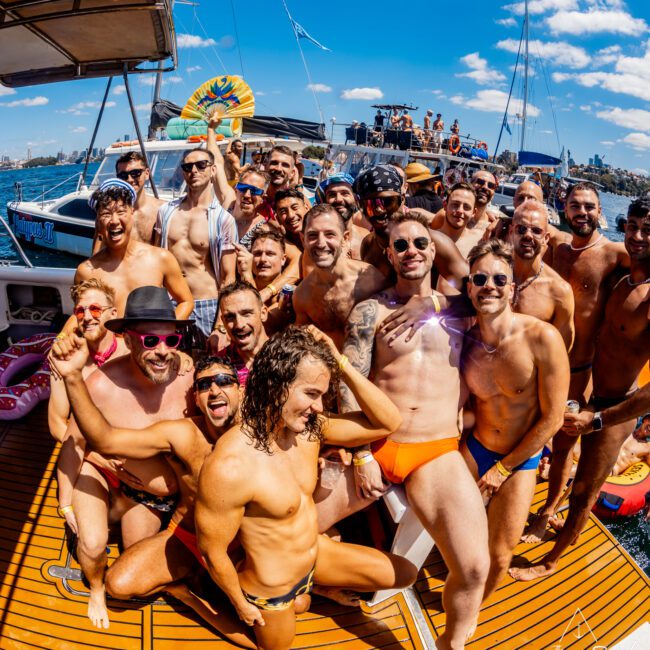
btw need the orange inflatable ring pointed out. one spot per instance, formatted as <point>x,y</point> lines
<point>482,145</point>
<point>454,144</point>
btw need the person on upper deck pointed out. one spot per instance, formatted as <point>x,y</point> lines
<point>421,183</point>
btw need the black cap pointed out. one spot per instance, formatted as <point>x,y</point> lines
<point>146,304</point>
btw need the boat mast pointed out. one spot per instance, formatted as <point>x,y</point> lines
<point>525,99</point>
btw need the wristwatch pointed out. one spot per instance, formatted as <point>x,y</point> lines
<point>597,422</point>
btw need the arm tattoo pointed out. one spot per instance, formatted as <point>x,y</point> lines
<point>359,342</point>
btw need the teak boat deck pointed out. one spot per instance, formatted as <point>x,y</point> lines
<point>597,597</point>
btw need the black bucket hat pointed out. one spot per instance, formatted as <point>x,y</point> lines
<point>146,304</point>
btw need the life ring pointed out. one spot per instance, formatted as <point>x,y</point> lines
<point>17,400</point>
<point>624,495</point>
<point>482,145</point>
<point>454,144</point>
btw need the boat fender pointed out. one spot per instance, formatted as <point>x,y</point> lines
<point>624,495</point>
<point>454,144</point>
<point>17,400</point>
<point>482,145</point>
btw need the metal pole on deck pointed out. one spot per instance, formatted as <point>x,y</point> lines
<point>92,140</point>
<point>137,127</point>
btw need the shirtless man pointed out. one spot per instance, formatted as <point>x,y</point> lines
<point>290,210</point>
<point>485,184</point>
<point>243,315</point>
<point>622,351</point>
<point>165,560</point>
<point>423,453</point>
<point>125,263</point>
<point>591,264</point>
<point>94,304</point>
<point>201,235</point>
<point>539,290</point>
<point>336,190</point>
<point>427,129</point>
<point>261,268</point>
<point>136,389</point>
<point>234,168</point>
<point>438,128</point>
<point>460,208</point>
<point>259,480</point>
<point>337,283</point>
<point>280,166</point>
<point>517,369</point>
<point>131,167</point>
<point>635,449</point>
<point>406,121</point>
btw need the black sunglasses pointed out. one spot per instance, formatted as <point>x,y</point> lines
<point>536,231</point>
<point>243,188</point>
<point>134,173</point>
<point>221,379</point>
<point>482,182</point>
<point>480,279</point>
<point>200,165</point>
<point>401,245</point>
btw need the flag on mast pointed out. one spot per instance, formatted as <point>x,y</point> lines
<point>300,32</point>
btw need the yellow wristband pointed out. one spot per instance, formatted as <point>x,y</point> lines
<point>63,511</point>
<point>436,303</point>
<point>60,336</point>
<point>363,460</point>
<point>502,470</point>
<point>274,291</point>
<point>343,361</point>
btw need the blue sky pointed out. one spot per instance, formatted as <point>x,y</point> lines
<point>455,58</point>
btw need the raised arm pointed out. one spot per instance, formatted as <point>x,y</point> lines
<point>58,409</point>
<point>222,189</point>
<point>177,286</point>
<point>224,490</point>
<point>449,262</point>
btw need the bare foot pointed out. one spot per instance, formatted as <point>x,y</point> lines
<point>345,597</point>
<point>526,574</point>
<point>556,523</point>
<point>97,612</point>
<point>536,529</point>
<point>472,630</point>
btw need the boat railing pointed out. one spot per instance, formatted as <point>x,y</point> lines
<point>18,247</point>
<point>18,190</point>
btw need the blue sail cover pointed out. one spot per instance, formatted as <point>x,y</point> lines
<point>534,159</point>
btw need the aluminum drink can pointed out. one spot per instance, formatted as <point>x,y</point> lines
<point>572,406</point>
<point>288,289</point>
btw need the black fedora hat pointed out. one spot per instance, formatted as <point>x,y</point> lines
<point>146,304</point>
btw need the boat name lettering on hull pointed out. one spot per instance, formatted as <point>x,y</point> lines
<point>32,230</point>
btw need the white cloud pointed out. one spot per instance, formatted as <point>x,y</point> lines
<point>362,93</point>
<point>79,129</point>
<point>596,22</point>
<point>6,91</point>
<point>226,42</point>
<point>586,108</point>
<point>193,68</point>
<point>143,107</point>
<point>319,88</point>
<point>607,143</point>
<point>607,55</point>
<point>494,101</point>
<point>260,93</point>
<point>557,52</point>
<point>481,73</point>
<point>78,108</point>
<point>191,40</point>
<point>632,118</point>
<point>167,79</point>
<point>437,92</point>
<point>541,6</point>
<point>119,90</point>
<point>638,141</point>
<point>506,22</point>
<point>627,84</point>
<point>30,101</point>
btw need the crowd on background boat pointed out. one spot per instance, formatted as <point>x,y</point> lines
<point>244,369</point>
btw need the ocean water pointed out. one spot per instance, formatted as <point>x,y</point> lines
<point>633,533</point>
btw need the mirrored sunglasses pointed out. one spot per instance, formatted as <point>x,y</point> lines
<point>243,188</point>
<point>382,205</point>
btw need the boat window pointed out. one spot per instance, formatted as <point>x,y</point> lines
<point>167,173</point>
<point>508,191</point>
<point>77,208</point>
<point>106,170</point>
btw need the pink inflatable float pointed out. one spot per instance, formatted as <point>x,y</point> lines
<point>18,399</point>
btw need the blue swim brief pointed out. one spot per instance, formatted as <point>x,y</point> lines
<point>485,458</point>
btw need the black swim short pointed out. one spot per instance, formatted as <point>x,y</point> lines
<point>283,602</point>
<point>161,504</point>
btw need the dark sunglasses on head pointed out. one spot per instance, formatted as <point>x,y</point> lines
<point>421,243</point>
<point>134,173</point>
<point>95,311</point>
<point>200,165</point>
<point>480,279</point>
<point>536,231</point>
<point>481,182</point>
<point>221,379</point>
<point>382,205</point>
<point>243,188</point>
<point>151,341</point>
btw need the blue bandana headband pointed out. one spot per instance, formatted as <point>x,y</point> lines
<point>107,184</point>
<point>334,179</point>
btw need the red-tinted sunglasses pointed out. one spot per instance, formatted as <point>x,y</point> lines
<point>95,311</point>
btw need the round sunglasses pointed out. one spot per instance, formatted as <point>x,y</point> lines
<point>535,231</point>
<point>151,341</point>
<point>480,279</point>
<point>481,182</point>
<point>401,245</point>
<point>95,311</point>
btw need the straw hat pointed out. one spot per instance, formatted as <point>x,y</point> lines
<point>417,172</point>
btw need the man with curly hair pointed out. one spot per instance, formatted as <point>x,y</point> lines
<point>259,480</point>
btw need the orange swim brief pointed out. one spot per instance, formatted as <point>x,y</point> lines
<point>188,539</point>
<point>398,459</point>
